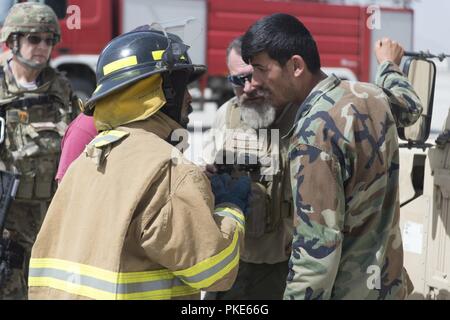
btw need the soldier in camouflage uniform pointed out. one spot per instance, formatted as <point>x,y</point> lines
<point>263,265</point>
<point>344,165</point>
<point>36,102</point>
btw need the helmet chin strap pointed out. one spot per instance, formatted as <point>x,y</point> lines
<point>31,64</point>
<point>173,105</point>
<point>16,51</point>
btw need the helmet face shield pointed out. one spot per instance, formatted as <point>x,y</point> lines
<point>139,54</point>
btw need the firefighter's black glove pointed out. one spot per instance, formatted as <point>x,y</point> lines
<point>234,191</point>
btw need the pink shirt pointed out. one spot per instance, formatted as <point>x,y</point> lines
<point>79,133</point>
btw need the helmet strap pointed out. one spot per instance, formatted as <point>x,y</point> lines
<point>31,64</point>
<point>16,51</point>
<point>174,94</point>
<point>15,41</point>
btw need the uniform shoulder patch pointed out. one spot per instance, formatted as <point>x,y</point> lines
<point>108,137</point>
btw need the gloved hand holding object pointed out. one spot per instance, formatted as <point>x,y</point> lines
<point>235,191</point>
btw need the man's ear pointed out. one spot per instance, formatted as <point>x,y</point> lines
<point>298,64</point>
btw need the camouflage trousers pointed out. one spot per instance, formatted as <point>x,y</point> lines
<point>255,282</point>
<point>22,226</point>
<point>15,287</point>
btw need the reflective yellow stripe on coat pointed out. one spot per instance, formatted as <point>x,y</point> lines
<point>233,214</point>
<point>96,283</point>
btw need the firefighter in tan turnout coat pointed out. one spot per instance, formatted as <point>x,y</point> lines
<point>132,219</point>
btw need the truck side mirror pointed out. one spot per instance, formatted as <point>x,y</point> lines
<point>422,75</point>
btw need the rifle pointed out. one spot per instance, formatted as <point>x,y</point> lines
<point>9,182</point>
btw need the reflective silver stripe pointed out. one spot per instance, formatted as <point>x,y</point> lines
<point>213,270</point>
<point>105,138</point>
<point>121,288</point>
<point>230,215</point>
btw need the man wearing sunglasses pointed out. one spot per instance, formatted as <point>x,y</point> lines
<point>36,106</point>
<point>263,265</point>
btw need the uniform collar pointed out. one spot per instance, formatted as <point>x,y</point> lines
<point>316,93</point>
<point>322,88</point>
<point>283,122</point>
<point>43,81</point>
<point>286,120</point>
<point>159,124</point>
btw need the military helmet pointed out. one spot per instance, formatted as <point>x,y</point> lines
<point>139,54</point>
<point>30,17</point>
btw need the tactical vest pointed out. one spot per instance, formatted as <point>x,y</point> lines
<point>271,199</point>
<point>35,124</point>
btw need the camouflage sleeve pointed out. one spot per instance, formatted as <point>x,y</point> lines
<point>405,104</point>
<point>320,207</point>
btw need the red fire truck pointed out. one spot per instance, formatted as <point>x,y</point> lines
<point>345,34</point>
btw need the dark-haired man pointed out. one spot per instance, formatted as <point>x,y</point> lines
<point>344,164</point>
<point>263,265</point>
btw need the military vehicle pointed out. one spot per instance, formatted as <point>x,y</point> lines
<point>425,188</point>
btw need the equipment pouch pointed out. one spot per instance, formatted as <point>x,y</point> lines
<point>255,222</point>
<point>44,185</point>
<point>281,202</point>
<point>38,168</point>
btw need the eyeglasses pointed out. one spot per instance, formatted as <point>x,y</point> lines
<point>239,80</point>
<point>35,40</point>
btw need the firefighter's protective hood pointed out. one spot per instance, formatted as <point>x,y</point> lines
<point>137,102</point>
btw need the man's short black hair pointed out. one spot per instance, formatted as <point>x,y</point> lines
<point>281,36</point>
